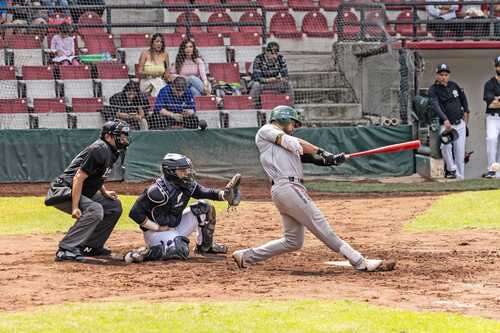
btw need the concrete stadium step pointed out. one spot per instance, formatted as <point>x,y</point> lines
<point>309,61</point>
<point>336,123</point>
<point>324,95</point>
<point>333,111</point>
<point>136,15</point>
<point>312,79</point>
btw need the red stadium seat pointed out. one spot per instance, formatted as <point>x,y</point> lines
<point>246,47</point>
<point>406,29</point>
<point>99,43</point>
<point>45,105</point>
<point>206,109</point>
<point>135,40</point>
<point>376,24</point>
<point>283,26</point>
<point>227,73</point>
<point>224,19</point>
<point>76,81</point>
<point>39,81</point>
<point>245,39</point>
<point>208,39</point>
<point>7,73</point>
<point>269,101</point>
<point>302,5</point>
<point>243,102</point>
<point>251,16</point>
<point>87,112</point>
<point>272,5</point>
<point>14,114</point>
<point>314,24</point>
<point>173,39</point>
<point>90,18</point>
<point>50,113</point>
<point>86,104</point>
<point>182,20</point>
<point>27,49</point>
<point>9,82</point>
<point>13,106</point>
<point>330,5</point>
<point>176,3</point>
<point>113,77</point>
<point>58,18</point>
<point>347,25</point>
<point>237,2</point>
<point>212,3</point>
<point>205,103</point>
<point>211,47</point>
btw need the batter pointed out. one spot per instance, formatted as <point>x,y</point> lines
<point>281,156</point>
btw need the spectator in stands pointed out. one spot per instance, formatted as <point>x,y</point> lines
<point>190,65</point>
<point>153,66</point>
<point>53,3</point>
<point>471,13</point>
<point>63,45</point>
<point>442,13</point>
<point>175,106</point>
<point>270,72</point>
<point>28,16</point>
<point>131,106</point>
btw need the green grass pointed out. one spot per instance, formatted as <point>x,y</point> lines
<point>359,187</point>
<point>467,210</point>
<point>24,215</point>
<point>251,316</point>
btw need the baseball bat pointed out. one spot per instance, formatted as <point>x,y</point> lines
<point>410,145</point>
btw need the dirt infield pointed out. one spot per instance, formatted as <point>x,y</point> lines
<point>452,271</point>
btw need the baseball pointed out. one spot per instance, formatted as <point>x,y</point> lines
<point>495,167</point>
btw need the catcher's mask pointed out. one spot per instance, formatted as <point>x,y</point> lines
<point>449,136</point>
<point>119,130</point>
<point>178,169</point>
<point>283,114</point>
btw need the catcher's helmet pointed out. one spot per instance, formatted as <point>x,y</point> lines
<point>173,162</point>
<point>283,114</point>
<point>449,136</point>
<point>116,128</point>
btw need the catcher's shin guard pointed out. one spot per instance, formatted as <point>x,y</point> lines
<point>177,249</point>
<point>207,227</point>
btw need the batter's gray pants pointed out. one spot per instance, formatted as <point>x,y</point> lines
<point>298,211</point>
<point>454,153</point>
<point>93,228</point>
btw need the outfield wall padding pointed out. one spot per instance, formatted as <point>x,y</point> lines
<point>40,155</point>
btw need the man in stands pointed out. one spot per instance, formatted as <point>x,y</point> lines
<point>440,15</point>
<point>131,105</point>
<point>270,72</point>
<point>174,107</point>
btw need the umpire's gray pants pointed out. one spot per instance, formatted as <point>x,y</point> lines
<point>93,228</point>
<point>454,153</point>
<point>298,211</point>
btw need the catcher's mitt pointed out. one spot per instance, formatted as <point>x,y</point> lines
<point>232,191</point>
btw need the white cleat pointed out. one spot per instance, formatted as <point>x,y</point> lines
<point>378,265</point>
<point>136,256</point>
<point>239,258</point>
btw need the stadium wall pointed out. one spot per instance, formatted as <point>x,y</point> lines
<point>40,155</point>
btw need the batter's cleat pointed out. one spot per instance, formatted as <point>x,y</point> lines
<point>378,265</point>
<point>95,252</point>
<point>239,258</point>
<point>490,174</point>
<point>214,249</point>
<point>71,255</point>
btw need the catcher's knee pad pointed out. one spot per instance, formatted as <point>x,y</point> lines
<point>178,248</point>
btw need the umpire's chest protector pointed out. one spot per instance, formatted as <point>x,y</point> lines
<point>168,201</point>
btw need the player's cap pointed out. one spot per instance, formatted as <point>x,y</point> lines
<point>443,68</point>
<point>497,61</point>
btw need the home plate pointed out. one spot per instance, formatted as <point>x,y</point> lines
<point>340,263</point>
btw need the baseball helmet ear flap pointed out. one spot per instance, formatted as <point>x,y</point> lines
<point>449,136</point>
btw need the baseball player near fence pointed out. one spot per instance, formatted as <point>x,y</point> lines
<point>492,98</point>
<point>281,156</point>
<point>162,213</point>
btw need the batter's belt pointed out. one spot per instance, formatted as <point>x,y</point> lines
<point>287,180</point>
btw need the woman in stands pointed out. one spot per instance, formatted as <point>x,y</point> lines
<point>63,45</point>
<point>153,66</point>
<point>190,65</point>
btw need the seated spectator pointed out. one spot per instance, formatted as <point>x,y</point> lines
<point>63,45</point>
<point>28,16</point>
<point>175,106</point>
<point>131,106</point>
<point>191,66</point>
<point>270,72</point>
<point>153,66</point>
<point>471,13</point>
<point>440,14</point>
<point>53,3</point>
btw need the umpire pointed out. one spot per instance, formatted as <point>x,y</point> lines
<point>80,191</point>
<point>450,104</point>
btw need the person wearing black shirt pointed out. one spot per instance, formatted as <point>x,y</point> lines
<point>161,213</point>
<point>131,105</point>
<point>80,191</point>
<point>450,104</point>
<point>492,98</point>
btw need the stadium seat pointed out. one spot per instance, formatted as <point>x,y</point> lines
<point>283,26</point>
<point>225,73</point>
<point>133,45</point>
<point>315,24</point>
<point>206,109</point>
<point>99,43</point>
<point>346,25</point>
<point>239,111</point>
<point>76,81</point>
<point>376,24</point>
<point>49,113</point>
<point>238,2</point>
<point>406,29</point>
<point>24,50</point>
<point>246,47</point>
<point>272,5</point>
<point>211,47</point>
<point>242,102</point>
<point>86,113</point>
<point>222,18</point>
<point>14,114</point>
<point>9,82</point>
<point>58,18</point>
<point>3,45</point>
<point>212,3</point>
<point>330,5</point>
<point>90,18</point>
<point>251,16</point>
<point>269,101</point>
<point>182,21</point>
<point>302,5</point>
<point>39,81</point>
<point>176,3</point>
<point>112,77</point>
<point>172,42</point>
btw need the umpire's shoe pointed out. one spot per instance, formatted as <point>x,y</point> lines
<point>94,252</point>
<point>72,255</point>
<point>239,258</point>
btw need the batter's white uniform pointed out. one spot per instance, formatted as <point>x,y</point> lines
<point>454,153</point>
<point>492,133</point>
<point>282,163</point>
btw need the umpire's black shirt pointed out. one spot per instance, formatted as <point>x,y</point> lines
<point>449,101</point>
<point>491,90</point>
<point>96,160</point>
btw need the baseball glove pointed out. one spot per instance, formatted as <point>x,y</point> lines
<point>232,191</point>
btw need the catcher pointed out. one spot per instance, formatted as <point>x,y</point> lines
<point>162,215</point>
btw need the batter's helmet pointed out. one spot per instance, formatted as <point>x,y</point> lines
<point>173,162</point>
<point>449,136</point>
<point>116,128</point>
<point>283,114</point>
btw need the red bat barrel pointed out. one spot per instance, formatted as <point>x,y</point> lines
<point>410,145</point>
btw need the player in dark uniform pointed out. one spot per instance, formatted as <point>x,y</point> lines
<point>80,191</point>
<point>166,222</point>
